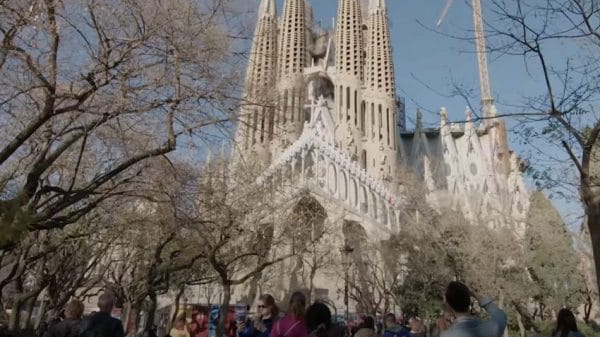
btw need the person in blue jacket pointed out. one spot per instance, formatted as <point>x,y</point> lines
<point>261,326</point>
<point>392,328</point>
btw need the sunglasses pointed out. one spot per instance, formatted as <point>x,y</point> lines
<point>260,306</point>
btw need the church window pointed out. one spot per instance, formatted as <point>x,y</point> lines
<point>387,124</point>
<point>473,169</point>
<point>362,118</point>
<point>285,105</point>
<point>262,125</point>
<point>363,159</point>
<point>380,120</point>
<point>347,101</point>
<point>293,106</point>
<point>254,124</point>
<point>355,107</point>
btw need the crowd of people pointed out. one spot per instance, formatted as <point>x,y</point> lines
<point>315,320</point>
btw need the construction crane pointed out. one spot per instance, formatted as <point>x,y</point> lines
<point>497,126</point>
<point>484,82</point>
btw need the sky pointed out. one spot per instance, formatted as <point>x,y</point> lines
<point>429,64</point>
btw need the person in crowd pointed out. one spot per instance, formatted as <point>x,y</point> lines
<point>417,328</point>
<point>180,328</point>
<point>199,325</point>
<point>101,324</point>
<point>391,328</point>
<point>292,324</point>
<point>566,325</point>
<point>441,324</point>
<point>366,328</point>
<point>458,299</point>
<point>318,321</point>
<point>68,326</point>
<point>262,325</point>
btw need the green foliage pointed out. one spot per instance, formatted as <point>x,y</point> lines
<point>550,257</point>
<point>585,329</point>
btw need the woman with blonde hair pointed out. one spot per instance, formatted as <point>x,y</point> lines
<point>292,324</point>
<point>180,327</point>
<point>262,325</point>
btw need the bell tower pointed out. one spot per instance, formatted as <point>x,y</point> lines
<point>257,115</point>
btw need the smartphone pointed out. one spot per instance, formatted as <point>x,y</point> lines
<point>241,312</point>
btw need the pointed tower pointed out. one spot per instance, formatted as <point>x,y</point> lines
<point>380,89</point>
<point>255,127</point>
<point>349,75</point>
<point>293,56</point>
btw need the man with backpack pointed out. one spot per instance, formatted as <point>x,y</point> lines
<point>101,323</point>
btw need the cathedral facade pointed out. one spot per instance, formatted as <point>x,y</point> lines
<point>321,117</point>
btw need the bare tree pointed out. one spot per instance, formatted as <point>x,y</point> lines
<point>237,224</point>
<point>565,112</point>
<point>91,90</point>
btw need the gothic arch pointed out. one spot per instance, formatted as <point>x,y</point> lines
<point>364,200</point>
<point>343,185</point>
<point>332,180</point>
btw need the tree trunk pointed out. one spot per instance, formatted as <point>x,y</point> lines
<point>527,320</point>
<point>30,305</point>
<point>224,309</point>
<point>134,319</point>
<point>15,314</point>
<point>180,292</point>
<point>593,220</point>
<point>150,313</point>
<point>587,307</point>
<point>521,326</point>
<point>311,284</point>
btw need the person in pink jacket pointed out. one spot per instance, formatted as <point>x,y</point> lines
<point>292,324</point>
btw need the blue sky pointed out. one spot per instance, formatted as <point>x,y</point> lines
<point>429,63</point>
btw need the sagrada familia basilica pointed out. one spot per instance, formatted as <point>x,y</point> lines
<point>323,116</point>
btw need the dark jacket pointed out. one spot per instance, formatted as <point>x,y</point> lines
<point>66,328</point>
<point>101,324</point>
<point>395,331</point>
<point>250,331</point>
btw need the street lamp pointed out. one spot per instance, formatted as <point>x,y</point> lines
<point>346,250</point>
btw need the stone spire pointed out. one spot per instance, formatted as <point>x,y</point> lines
<point>267,8</point>
<point>293,49</point>
<point>349,39</point>
<point>260,76</point>
<point>379,65</point>
<point>375,5</point>
<point>293,56</point>
<point>380,83</point>
<point>349,49</point>
<point>255,128</point>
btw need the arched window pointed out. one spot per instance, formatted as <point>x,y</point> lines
<point>362,118</point>
<point>347,103</point>
<point>363,159</point>
<point>285,105</point>
<point>355,107</point>
<point>387,124</point>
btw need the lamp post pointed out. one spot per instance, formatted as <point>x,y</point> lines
<point>346,250</point>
